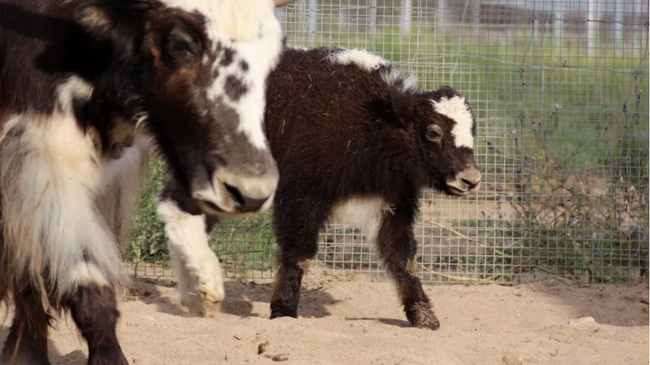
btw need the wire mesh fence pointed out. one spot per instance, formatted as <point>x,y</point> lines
<point>560,91</point>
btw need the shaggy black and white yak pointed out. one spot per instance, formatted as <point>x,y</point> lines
<point>85,87</point>
<point>355,142</point>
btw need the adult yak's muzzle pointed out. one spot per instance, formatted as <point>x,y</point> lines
<point>246,185</point>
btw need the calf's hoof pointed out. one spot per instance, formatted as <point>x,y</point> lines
<point>278,311</point>
<point>421,315</point>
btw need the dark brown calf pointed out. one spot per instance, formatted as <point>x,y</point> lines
<point>355,142</point>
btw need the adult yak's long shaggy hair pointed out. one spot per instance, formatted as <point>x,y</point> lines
<point>41,244</point>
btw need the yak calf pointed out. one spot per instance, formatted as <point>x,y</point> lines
<point>355,142</point>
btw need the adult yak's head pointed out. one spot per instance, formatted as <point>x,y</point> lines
<point>196,71</point>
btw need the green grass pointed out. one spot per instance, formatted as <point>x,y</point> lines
<point>148,241</point>
<point>245,244</point>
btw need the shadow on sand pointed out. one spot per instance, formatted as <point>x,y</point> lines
<point>616,305</point>
<point>240,298</point>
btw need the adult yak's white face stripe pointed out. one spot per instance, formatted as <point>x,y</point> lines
<point>209,61</point>
<point>456,109</point>
<point>247,38</point>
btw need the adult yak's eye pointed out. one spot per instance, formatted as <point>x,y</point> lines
<point>180,49</point>
<point>434,133</point>
<point>181,46</point>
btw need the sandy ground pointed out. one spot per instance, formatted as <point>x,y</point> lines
<point>360,322</point>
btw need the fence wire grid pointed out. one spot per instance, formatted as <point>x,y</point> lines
<point>560,91</point>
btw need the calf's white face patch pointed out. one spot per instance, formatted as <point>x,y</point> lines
<point>456,109</point>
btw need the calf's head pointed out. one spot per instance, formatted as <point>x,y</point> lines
<point>439,128</point>
<point>196,70</point>
<point>446,128</point>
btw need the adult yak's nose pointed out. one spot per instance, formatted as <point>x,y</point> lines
<point>239,190</point>
<point>245,204</point>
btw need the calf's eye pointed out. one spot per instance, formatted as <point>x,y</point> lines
<point>431,134</point>
<point>434,133</point>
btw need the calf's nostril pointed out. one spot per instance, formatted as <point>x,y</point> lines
<point>469,184</point>
<point>470,178</point>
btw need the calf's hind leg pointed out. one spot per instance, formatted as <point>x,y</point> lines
<point>397,248</point>
<point>296,229</point>
<point>27,340</point>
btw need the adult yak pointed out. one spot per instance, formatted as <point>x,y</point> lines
<point>86,87</point>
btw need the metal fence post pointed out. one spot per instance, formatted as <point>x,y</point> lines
<point>312,21</point>
<point>440,16</point>
<point>372,17</point>
<point>405,16</point>
<point>592,29</point>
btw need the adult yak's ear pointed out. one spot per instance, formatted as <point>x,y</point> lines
<point>115,21</point>
<point>392,104</point>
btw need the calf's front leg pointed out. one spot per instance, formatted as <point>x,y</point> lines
<point>296,225</point>
<point>397,248</point>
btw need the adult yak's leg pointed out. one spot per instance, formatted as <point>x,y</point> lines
<point>94,311</point>
<point>27,340</point>
<point>92,299</point>
<point>50,180</point>
<point>296,224</point>
<point>122,179</point>
<point>197,268</point>
<point>397,247</point>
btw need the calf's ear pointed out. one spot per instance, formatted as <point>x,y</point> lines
<point>116,21</point>
<point>392,104</point>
